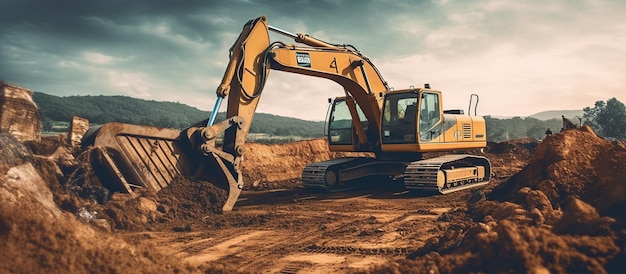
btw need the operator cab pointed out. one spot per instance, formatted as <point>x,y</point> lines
<point>407,120</point>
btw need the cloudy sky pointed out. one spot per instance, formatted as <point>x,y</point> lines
<point>521,57</point>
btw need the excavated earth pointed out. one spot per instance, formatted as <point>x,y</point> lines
<point>555,206</point>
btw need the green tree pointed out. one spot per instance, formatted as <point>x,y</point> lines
<point>607,118</point>
<point>46,124</point>
<point>536,131</point>
<point>591,114</point>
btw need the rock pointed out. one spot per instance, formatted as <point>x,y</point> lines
<point>102,224</point>
<point>18,113</point>
<point>548,187</point>
<point>24,182</point>
<point>488,219</point>
<point>63,157</point>
<point>13,153</point>
<point>508,210</point>
<point>78,128</point>
<point>477,196</point>
<point>145,205</point>
<point>537,216</point>
<point>478,229</point>
<point>536,199</point>
<point>580,218</point>
<point>524,191</point>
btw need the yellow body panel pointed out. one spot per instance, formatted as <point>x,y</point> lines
<point>433,147</point>
<point>464,173</point>
<point>436,131</point>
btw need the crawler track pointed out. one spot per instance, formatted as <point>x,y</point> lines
<point>435,174</point>
<point>324,175</point>
<point>335,175</point>
<point>427,174</point>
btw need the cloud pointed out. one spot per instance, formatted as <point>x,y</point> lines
<point>520,56</point>
<point>98,58</point>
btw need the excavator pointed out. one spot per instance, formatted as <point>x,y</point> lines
<point>396,126</point>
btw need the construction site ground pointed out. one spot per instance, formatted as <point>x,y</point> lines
<point>552,206</point>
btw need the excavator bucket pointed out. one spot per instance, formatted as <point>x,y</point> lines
<point>132,156</point>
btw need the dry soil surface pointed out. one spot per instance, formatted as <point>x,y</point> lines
<point>551,206</point>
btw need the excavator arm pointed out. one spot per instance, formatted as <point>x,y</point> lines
<point>251,59</point>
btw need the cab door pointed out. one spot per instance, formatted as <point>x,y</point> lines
<point>342,134</point>
<point>430,117</point>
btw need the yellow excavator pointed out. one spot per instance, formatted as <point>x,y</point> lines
<point>397,126</point>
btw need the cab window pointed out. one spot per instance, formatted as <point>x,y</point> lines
<point>429,115</point>
<point>399,115</point>
<point>340,126</point>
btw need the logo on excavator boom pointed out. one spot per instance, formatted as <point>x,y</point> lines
<point>303,58</point>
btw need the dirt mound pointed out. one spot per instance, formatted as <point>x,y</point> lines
<point>48,145</point>
<point>185,201</point>
<point>508,158</point>
<point>180,204</point>
<point>559,214</point>
<point>574,163</point>
<point>281,165</point>
<point>36,236</point>
<point>515,150</point>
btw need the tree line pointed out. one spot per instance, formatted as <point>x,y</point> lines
<point>103,109</point>
<point>608,118</point>
<point>500,130</point>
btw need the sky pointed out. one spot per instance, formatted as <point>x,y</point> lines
<point>520,57</point>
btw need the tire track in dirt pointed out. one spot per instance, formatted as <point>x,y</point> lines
<point>312,232</point>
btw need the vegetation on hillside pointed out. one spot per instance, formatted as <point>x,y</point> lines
<point>500,130</point>
<point>104,109</point>
<point>556,114</point>
<point>607,118</point>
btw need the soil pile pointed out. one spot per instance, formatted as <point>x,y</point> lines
<point>508,158</point>
<point>559,211</point>
<point>281,165</point>
<point>37,236</point>
<point>577,163</point>
<point>559,214</point>
<point>73,231</point>
<point>175,207</point>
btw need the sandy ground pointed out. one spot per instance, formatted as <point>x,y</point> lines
<point>551,207</point>
<point>290,230</point>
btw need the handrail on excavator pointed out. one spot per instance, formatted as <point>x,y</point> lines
<point>469,108</point>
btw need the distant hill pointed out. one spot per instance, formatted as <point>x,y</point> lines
<point>556,114</point>
<point>103,109</point>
